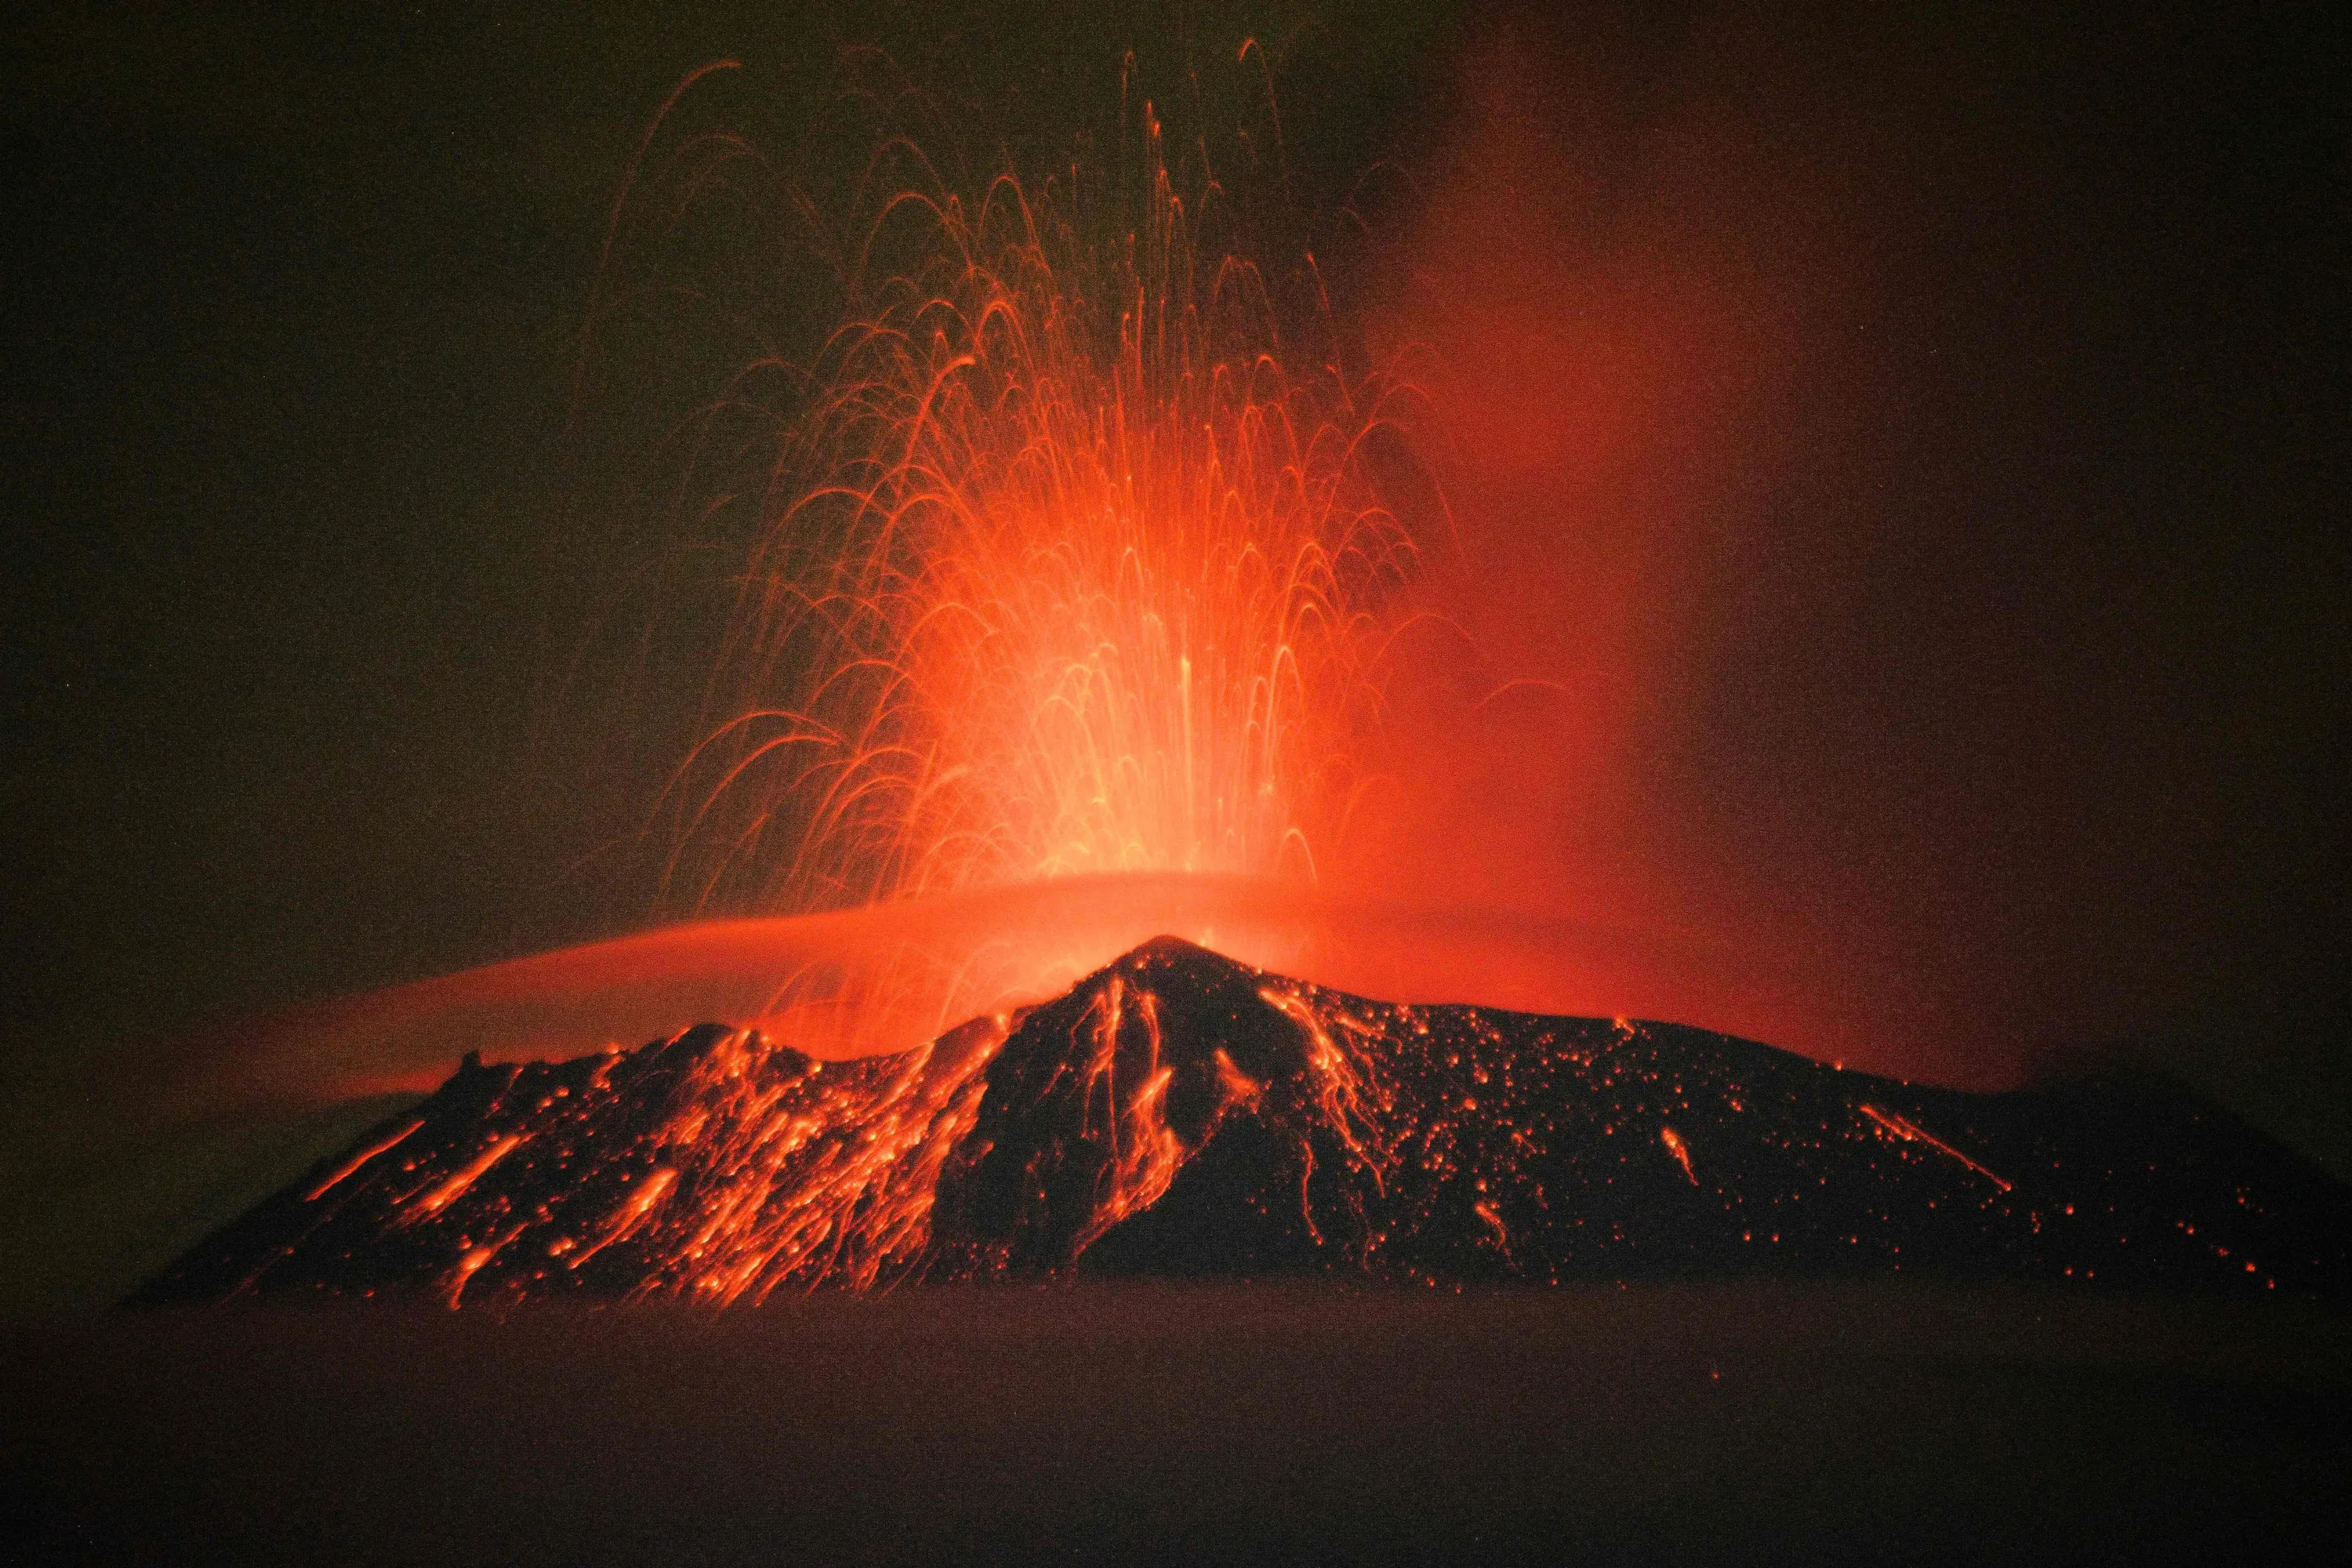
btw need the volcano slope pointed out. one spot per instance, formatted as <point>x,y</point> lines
<point>1181,1114</point>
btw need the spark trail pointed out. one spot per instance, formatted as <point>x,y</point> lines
<point>1079,561</point>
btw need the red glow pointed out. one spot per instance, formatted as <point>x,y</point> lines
<point>1074,568</point>
<point>889,976</point>
<point>1081,615</point>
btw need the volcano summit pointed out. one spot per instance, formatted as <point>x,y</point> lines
<point>1179,1113</point>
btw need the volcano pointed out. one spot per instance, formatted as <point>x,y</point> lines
<point>1178,1113</point>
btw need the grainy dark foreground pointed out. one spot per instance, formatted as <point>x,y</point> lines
<point>1877,1420</point>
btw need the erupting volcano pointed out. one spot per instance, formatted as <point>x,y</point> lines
<point>1179,1113</point>
<point>1085,546</point>
<point>1087,554</point>
<point>1021,782</point>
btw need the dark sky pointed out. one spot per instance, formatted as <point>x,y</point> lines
<point>2034,600</point>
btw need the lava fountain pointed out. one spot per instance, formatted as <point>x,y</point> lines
<point>1068,569</point>
<point>1078,582</point>
<point>1077,557</point>
<point>1069,620</point>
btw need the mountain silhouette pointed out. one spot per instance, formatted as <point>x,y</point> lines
<point>1178,1113</point>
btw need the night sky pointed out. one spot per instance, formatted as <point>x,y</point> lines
<point>1983,507</point>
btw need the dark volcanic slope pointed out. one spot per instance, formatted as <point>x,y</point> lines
<point>1180,1113</point>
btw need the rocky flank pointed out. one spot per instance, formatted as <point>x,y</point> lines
<point>1179,1113</point>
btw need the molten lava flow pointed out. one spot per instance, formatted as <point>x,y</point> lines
<point>1073,570</point>
<point>713,1167</point>
<point>367,1151</point>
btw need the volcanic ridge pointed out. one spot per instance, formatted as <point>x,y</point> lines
<point>1181,1114</point>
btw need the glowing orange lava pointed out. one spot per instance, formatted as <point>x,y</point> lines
<point>1893,1125</point>
<point>1072,619</point>
<point>1072,569</point>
